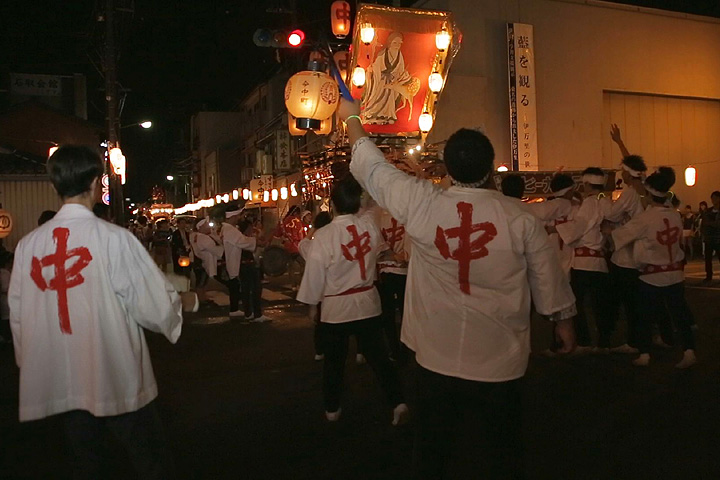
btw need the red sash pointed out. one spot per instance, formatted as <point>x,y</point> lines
<point>673,267</point>
<point>588,252</point>
<point>352,291</point>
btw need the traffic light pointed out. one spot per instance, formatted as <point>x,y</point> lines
<point>278,38</point>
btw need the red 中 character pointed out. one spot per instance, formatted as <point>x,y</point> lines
<point>361,244</point>
<point>394,234</point>
<point>668,237</point>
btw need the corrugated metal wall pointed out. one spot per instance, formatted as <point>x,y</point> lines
<point>25,200</point>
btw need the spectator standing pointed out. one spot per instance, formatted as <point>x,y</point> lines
<point>234,243</point>
<point>711,235</point>
<point>250,284</point>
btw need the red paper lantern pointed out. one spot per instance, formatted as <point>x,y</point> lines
<point>340,18</point>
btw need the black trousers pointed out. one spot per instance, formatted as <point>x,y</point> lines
<point>625,283</point>
<point>251,292</point>
<point>392,298</point>
<point>595,285</point>
<point>233,286</point>
<point>479,422</point>
<point>369,334</point>
<point>710,249</point>
<point>140,432</point>
<point>656,302</point>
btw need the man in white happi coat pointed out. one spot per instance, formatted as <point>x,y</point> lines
<point>234,243</point>
<point>477,259</point>
<point>82,290</point>
<point>208,247</point>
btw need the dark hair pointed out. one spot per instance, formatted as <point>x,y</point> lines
<point>662,180</point>
<point>294,210</point>
<point>346,195</point>
<point>468,156</point>
<point>45,216</point>
<point>595,171</point>
<point>6,259</point>
<point>101,211</point>
<point>688,206</point>
<point>513,186</point>
<point>675,201</point>
<point>561,181</point>
<point>703,203</point>
<point>636,162</point>
<point>73,168</point>
<point>322,219</point>
<point>716,193</point>
<point>142,220</point>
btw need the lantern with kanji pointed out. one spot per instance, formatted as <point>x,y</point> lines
<point>340,17</point>
<point>342,60</point>
<point>6,223</point>
<point>311,96</point>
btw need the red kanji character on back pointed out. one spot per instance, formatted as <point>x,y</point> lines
<point>467,249</point>
<point>64,278</point>
<point>361,244</point>
<point>668,237</point>
<point>394,234</point>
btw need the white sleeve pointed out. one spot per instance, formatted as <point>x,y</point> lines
<point>149,298</point>
<point>550,289</point>
<point>405,197</point>
<point>573,230</point>
<point>545,211</point>
<point>14,303</point>
<point>629,232</point>
<point>624,204</point>
<point>312,286</point>
<point>304,247</point>
<point>235,237</point>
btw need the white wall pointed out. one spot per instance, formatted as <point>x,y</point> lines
<point>582,49</point>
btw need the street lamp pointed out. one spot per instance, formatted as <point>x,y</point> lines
<point>144,124</point>
<point>170,178</point>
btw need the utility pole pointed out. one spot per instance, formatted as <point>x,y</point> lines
<point>111,97</point>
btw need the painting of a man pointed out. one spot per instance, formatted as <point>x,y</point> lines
<point>390,87</point>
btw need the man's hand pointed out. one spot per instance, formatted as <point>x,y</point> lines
<point>565,335</point>
<point>348,108</point>
<point>313,313</point>
<point>615,133</point>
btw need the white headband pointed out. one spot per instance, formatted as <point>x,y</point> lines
<point>563,191</point>
<point>594,179</point>
<point>477,184</point>
<point>655,193</point>
<point>201,223</point>
<point>633,173</point>
<point>233,213</point>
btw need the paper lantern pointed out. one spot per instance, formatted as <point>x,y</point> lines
<point>266,196</point>
<point>442,40</point>
<point>236,194</point>
<point>358,76</point>
<point>52,150</point>
<point>218,198</point>
<point>6,223</point>
<point>274,194</point>
<point>283,193</point>
<point>226,198</point>
<point>435,82</point>
<point>425,122</point>
<point>294,131</point>
<point>117,160</point>
<point>311,96</point>
<point>340,18</point>
<point>690,176</point>
<point>342,60</point>
<point>184,261</point>
<point>293,190</point>
<point>367,33</point>
<point>502,168</point>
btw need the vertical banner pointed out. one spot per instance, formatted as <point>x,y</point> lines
<point>282,150</point>
<point>523,113</point>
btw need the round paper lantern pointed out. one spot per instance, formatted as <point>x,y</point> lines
<point>342,60</point>
<point>311,96</point>
<point>184,261</point>
<point>367,33</point>
<point>502,168</point>
<point>425,122</point>
<point>442,40</point>
<point>358,76</point>
<point>435,82</point>
<point>6,223</point>
<point>690,176</point>
<point>340,17</point>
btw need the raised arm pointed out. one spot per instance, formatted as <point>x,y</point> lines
<point>615,135</point>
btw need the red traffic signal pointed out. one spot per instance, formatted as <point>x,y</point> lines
<point>278,38</point>
<point>296,38</point>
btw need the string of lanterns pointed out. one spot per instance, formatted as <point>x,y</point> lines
<point>245,193</point>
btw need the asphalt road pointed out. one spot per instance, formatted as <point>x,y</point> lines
<point>243,401</point>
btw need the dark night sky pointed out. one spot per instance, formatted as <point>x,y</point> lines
<point>176,57</point>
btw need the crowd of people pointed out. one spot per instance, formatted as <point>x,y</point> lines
<point>461,268</point>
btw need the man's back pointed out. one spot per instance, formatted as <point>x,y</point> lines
<point>81,289</point>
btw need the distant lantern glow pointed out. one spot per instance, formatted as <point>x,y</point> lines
<point>146,124</point>
<point>170,178</point>
<point>266,196</point>
<point>284,193</point>
<point>117,160</point>
<point>236,194</point>
<point>690,176</point>
<point>358,76</point>
<point>502,168</point>
<point>218,198</point>
<point>435,82</point>
<point>52,150</point>
<point>226,198</point>
<point>425,122</point>
<point>247,194</point>
<point>367,33</point>
<point>293,190</point>
<point>442,40</point>
<point>184,261</point>
<point>274,194</point>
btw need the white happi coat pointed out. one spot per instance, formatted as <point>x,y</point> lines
<point>235,242</point>
<point>626,207</point>
<point>477,259</point>
<point>583,234</point>
<point>655,235</point>
<point>87,352</point>
<point>340,269</point>
<point>208,250</point>
<point>393,233</point>
<point>553,213</point>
